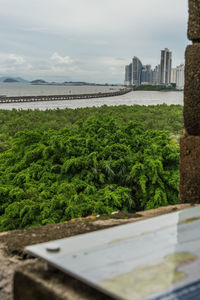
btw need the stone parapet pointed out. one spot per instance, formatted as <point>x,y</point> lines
<point>192,90</point>
<point>190,144</point>
<point>35,283</point>
<point>194,20</point>
<point>190,169</point>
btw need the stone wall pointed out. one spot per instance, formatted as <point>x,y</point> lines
<point>190,143</point>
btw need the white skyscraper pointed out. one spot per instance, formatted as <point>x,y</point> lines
<point>136,71</point>
<point>173,75</point>
<point>128,75</point>
<point>156,75</point>
<point>165,66</point>
<point>133,72</point>
<point>180,78</point>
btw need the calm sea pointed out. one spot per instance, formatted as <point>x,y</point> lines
<point>140,97</point>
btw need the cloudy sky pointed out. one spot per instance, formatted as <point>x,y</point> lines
<point>88,40</point>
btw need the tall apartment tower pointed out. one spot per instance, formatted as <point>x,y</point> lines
<point>165,66</point>
<point>180,78</point>
<point>136,71</point>
<point>146,74</point>
<point>156,75</point>
<point>173,75</point>
<point>128,75</point>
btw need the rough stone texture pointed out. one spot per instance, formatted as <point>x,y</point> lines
<point>194,20</point>
<point>191,109</point>
<point>190,169</point>
<point>8,264</point>
<point>34,282</point>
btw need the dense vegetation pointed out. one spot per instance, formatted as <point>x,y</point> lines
<point>154,88</point>
<point>54,168</point>
<point>159,117</point>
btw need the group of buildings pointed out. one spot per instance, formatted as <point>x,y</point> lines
<point>163,74</point>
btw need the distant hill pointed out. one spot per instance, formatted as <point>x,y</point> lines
<point>16,79</point>
<point>75,83</point>
<point>21,80</point>
<point>38,81</point>
<point>10,80</point>
<point>80,83</point>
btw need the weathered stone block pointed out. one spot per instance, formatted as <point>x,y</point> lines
<point>190,169</point>
<point>194,20</point>
<point>33,282</point>
<point>192,90</point>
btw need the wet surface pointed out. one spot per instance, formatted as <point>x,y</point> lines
<point>134,261</point>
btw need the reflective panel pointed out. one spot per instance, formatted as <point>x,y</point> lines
<point>158,258</point>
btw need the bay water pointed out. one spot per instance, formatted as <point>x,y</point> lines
<point>135,97</point>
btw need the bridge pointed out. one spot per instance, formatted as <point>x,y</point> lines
<point>17,99</point>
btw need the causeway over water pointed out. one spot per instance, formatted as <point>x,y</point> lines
<point>17,99</point>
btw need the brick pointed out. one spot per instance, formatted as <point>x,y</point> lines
<point>191,109</point>
<point>190,169</point>
<point>194,20</point>
<point>33,282</point>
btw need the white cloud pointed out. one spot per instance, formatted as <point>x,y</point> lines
<point>55,65</point>
<point>11,59</point>
<point>88,39</point>
<point>63,65</point>
<point>11,63</point>
<point>63,60</point>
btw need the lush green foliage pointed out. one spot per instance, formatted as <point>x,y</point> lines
<point>97,165</point>
<point>161,117</point>
<point>154,88</point>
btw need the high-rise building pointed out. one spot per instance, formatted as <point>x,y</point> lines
<point>146,74</point>
<point>156,75</point>
<point>173,75</point>
<point>137,74</point>
<point>136,71</point>
<point>177,76</point>
<point>126,81</point>
<point>133,72</point>
<point>128,75</point>
<point>165,66</point>
<point>180,78</point>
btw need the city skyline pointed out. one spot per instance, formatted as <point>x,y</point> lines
<point>87,40</point>
<point>137,73</point>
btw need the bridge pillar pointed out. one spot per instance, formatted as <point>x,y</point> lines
<point>190,143</point>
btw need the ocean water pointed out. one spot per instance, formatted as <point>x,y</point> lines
<point>27,89</point>
<point>135,97</point>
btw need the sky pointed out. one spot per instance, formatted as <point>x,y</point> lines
<point>88,40</point>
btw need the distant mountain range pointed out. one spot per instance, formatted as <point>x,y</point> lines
<point>12,79</point>
<point>38,81</point>
<point>7,79</point>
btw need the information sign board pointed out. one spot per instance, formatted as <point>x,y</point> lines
<point>158,258</point>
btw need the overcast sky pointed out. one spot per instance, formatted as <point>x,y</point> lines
<point>88,40</point>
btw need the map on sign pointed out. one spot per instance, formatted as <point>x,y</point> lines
<point>155,259</point>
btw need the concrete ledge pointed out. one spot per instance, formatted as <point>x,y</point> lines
<point>191,109</point>
<point>12,243</point>
<point>33,283</point>
<point>190,170</point>
<point>194,20</point>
